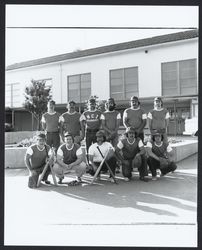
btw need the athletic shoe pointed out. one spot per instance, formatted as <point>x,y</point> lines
<point>111,180</point>
<point>47,182</point>
<point>145,179</point>
<point>79,179</point>
<point>158,172</point>
<point>126,179</point>
<point>60,181</point>
<point>154,178</point>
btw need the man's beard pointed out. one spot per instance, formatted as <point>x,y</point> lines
<point>111,108</point>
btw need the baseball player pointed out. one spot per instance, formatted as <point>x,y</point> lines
<point>70,122</point>
<point>135,117</point>
<point>159,118</point>
<point>160,156</point>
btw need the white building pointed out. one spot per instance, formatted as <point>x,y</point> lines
<point>165,66</point>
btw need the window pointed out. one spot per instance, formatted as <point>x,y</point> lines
<point>123,83</point>
<point>79,87</point>
<point>179,78</point>
<point>12,95</point>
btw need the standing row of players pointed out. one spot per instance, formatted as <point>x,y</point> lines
<point>87,124</point>
<point>130,151</point>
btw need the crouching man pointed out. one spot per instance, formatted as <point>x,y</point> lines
<point>69,160</point>
<point>98,151</point>
<point>161,156</point>
<point>36,157</point>
<point>132,154</point>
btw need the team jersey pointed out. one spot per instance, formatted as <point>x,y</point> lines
<point>158,118</point>
<point>52,121</point>
<point>134,117</point>
<point>110,118</point>
<point>71,122</point>
<point>129,149</point>
<point>104,147</point>
<point>92,119</point>
<point>160,150</point>
<point>69,155</point>
<point>38,156</point>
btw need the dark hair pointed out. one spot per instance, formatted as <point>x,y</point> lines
<point>71,102</point>
<point>153,137</point>
<point>51,101</point>
<point>107,103</point>
<point>103,135</point>
<point>126,134</point>
<point>69,134</point>
<point>134,98</point>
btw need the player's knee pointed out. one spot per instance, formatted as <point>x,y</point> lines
<point>57,169</point>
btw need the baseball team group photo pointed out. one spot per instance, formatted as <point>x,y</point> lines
<point>101,125</point>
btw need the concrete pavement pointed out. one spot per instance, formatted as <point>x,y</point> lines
<point>104,214</point>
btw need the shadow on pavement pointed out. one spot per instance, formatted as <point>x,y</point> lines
<point>176,189</point>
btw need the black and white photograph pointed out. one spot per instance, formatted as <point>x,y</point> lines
<point>101,125</point>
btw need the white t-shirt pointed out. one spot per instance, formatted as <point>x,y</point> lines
<point>103,148</point>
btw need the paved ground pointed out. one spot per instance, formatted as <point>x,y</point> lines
<point>157,213</point>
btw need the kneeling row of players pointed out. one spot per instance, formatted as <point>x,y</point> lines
<point>129,153</point>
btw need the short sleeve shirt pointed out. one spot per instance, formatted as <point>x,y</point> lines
<point>134,117</point>
<point>71,122</point>
<point>52,121</point>
<point>103,148</point>
<point>69,155</point>
<point>92,119</point>
<point>158,118</point>
<point>110,118</point>
<point>168,148</point>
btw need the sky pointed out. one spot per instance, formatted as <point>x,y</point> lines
<point>30,43</point>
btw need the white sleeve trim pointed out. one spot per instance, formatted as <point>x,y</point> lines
<point>140,144</point>
<point>144,116</point>
<point>102,117</point>
<point>43,119</point>
<point>125,114</point>
<point>167,115</point>
<point>50,152</point>
<point>169,149</point>
<point>61,118</point>
<point>120,145</point>
<point>60,152</point>
<point>79,152</point>
<point>29,151</point>
<point>149,145</point>
<point>82,118</point>
<point>149,115</point>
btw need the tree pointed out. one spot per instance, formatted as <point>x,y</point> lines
<point>37,95</point>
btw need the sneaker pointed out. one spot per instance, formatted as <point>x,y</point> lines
<point>79,179</point>
<point>158,172</point>
<point>154,178</point>
<point>145,179</point>
<point>60,181</point>
<point>46,181</point>
<point>111,180</point>
<point>126,179</point>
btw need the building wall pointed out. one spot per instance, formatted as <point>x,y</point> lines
<point>149,69</point>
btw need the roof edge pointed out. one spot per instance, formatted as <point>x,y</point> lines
<point>179,36</point>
